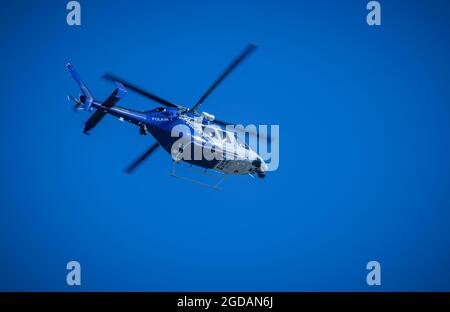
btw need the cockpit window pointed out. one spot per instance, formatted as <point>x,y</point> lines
<point>160,109</point>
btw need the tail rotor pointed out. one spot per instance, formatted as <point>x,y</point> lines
<point>77,103</point>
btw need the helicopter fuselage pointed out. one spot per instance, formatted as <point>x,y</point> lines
<point>235,158</point>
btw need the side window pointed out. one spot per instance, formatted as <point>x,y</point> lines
<point>209,134</point>
<point>227,137</point>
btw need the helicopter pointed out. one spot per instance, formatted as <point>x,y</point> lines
<point>238,158</point>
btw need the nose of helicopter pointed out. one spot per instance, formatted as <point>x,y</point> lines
<point>259,163</point>
<point>264,166</point>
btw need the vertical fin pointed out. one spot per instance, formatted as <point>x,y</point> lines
<point>84,89</point>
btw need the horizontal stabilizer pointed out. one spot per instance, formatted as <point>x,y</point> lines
<point>101,110</point>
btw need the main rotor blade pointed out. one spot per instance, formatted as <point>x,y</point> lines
<point>138,161</point>
<point>224,123</point>
<point>232,66</point>
<point>136,89</point>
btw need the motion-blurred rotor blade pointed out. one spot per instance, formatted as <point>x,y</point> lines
<point>240,129</point>
<point>232,66</point>
<point>138,161</point>
<point>136,89</point>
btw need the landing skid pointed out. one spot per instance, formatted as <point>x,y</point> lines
<point>219,178</point>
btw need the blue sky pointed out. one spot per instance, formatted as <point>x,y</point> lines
<point>364,147</point>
